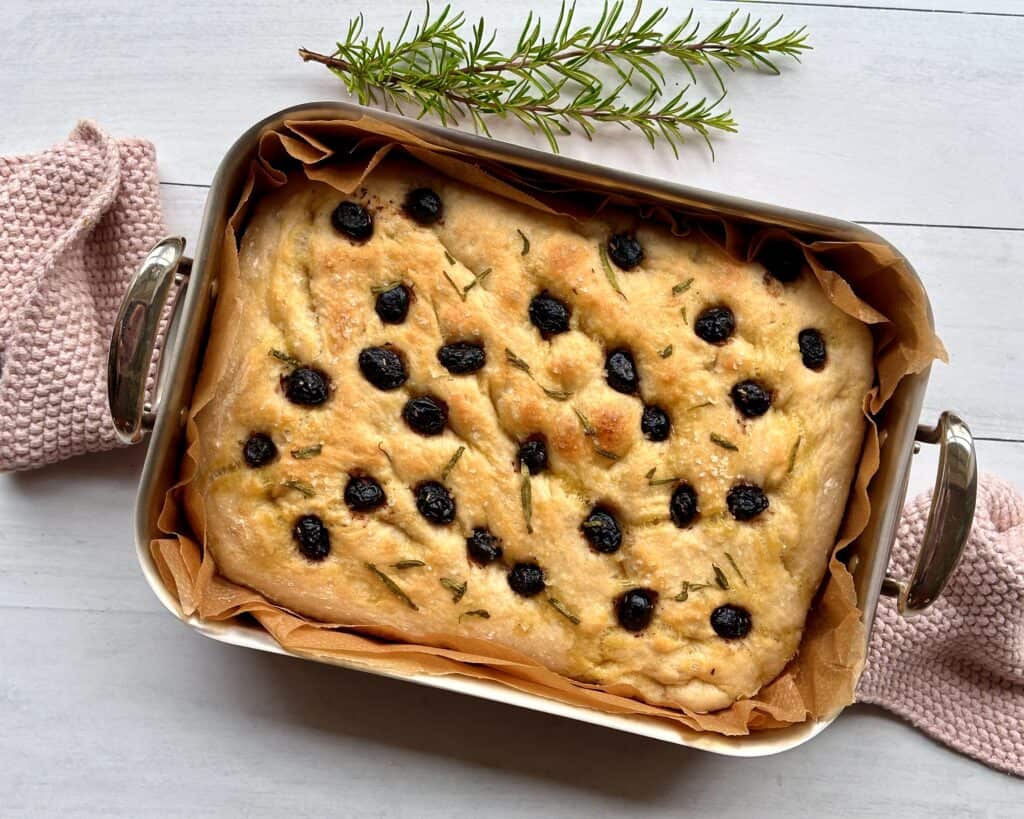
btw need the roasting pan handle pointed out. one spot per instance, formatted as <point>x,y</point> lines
<point>949,519</point>
<point>135,336</point>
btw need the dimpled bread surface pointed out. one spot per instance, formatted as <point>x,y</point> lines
<point>306,296</point>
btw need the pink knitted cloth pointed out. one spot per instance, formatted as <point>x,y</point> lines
<point>956,671</point>
<point>74,223</point>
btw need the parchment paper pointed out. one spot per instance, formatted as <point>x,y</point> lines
<point>866,280</point>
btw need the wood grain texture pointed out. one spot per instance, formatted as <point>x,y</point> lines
<point>110,708</point>
<point>175,725</point>
<point>1003,8</point>
<point>885,109</point>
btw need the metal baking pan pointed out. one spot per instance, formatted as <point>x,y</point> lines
<point>164,411</point>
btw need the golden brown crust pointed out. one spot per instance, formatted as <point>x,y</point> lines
<point>306,290</point>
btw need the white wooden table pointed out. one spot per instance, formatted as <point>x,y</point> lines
<point>908,119</point>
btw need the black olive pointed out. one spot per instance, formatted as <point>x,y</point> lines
<point>312,537</point>
<point>731,622</point>
<point>426,415</point>
<point>620,372</point>
<point>363,493</point>
<point>751,398</point>
<point>393,305</point>
<point>625,250</point>
<point>383,367</point>
<point>715,325</point>
<point>526,579</point>
<point>259,450</point>
<point>435,502</point>
<point>682,507</point>
<point>424,206</point>
<point>812,349</point>
<point>655,423</point>
<point>306,386</point>
<point>602,531</point>
<point>636,608</point>
<point>534,453</point>
<point>549,315</point>
<point>783,260</point>
<point>483,547</point>
<point>353,220</point>
<point>462,357</point>
<point>746,501</point>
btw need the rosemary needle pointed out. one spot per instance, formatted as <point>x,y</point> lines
<point>569,77</point>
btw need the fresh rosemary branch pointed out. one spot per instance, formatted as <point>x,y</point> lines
<point>555,83</point>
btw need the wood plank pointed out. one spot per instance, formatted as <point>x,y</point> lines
<point>144,718</point>
<point>971,277</point>
<point>1011,8</point>
<point>891,118</point>
<point>183,210</point>
<point>110,708</point>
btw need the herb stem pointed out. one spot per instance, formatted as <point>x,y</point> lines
<point>553,82</point>
<point>392,587</point>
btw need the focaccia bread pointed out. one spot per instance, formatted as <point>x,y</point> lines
<point>446,415</point>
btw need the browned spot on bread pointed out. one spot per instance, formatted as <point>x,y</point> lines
<point>614,432</point>
<point>568,441</point>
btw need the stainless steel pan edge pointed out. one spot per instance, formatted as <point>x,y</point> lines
<point>182,353</point>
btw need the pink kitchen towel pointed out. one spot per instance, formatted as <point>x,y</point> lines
<point>956,671</point>
<point>75,221</point>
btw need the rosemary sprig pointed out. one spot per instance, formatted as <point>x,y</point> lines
<point>478,278</point>
<point>590,431</point>
<point>526,242</point>
<point>792,454</point>
<point>408,564</point>
<point>483,614</point>
<point>557,395</point>
<point>550,392</point>
<point>720,578</point>
<point>682,287</point>
<point>564,610</point>
<point>516,361</point>
<point>735,568</point>
<point>393,587</point>
<point>652,481</point>
<point>608,272</point>
<point>666,352</point>
<point>688,587</point>
<point>526,497</point>
<point>455,287</point>
<point>463,292</point>
<point>457,589</point>
<point>305,452</point>
<point>448,467</point>
<point>285,358</point>
<point>301,487</point>
<point>588,428</point>
<point>724,443</point>
<point>554,82</point>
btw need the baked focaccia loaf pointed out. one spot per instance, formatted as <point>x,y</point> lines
<point>619,452</point>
